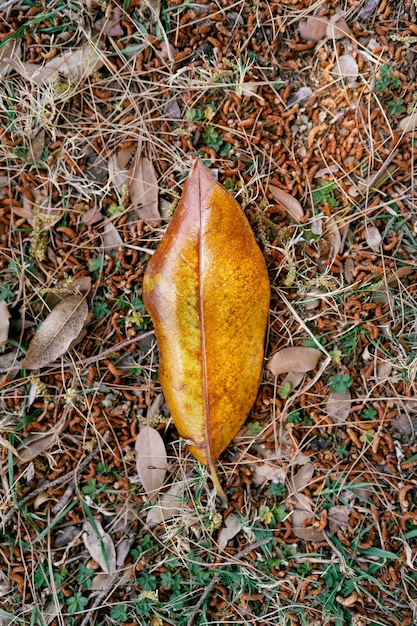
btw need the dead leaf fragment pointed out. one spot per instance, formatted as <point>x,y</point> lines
<point>347,67</point>
<point>408,123</point>
<point>302,519</point>
<point>232,526</point>
<point>368,9</point>
<point>266,472</point>
<point>373,238</point>
<point>337,27</point>
<point>338,518</point>
<point>288,202</point>
<point>167,506</point>
<point>143,188</point>
<point>207,291</point>
<point>295,359</point>
<point>111,26</point>
<point>338,406</point>
<point>151,460</point>
<point>4,322</point>
<point>112,240</point>
<point>57,332</point>
<point>313,28</point>
<point>303,477</point>
<point>100,546</point>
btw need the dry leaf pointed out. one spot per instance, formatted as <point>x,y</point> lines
<point>100,546</point>
<point>338,518</point>
<point>373,238</point>
<point>337,28</point>
<point>297,359</point>
<point>301,97</point>
<point>334,237</point>
<point>408,123</point>
<point>301,515</point>
<point>266,472</point>
<point>303,477</point>
<point>57,332</point>
<point>111,26</point>
<point>143,188</point>
<point>79,63</point>
<point>368,9</point>
<point>35,444</point>
<point>4,322</point>
<point>289,203</point>
<point>338,406</point>
<point>37,145</point>
<point>232,526</point>
<point>313,28</point>
<point>11,50</point>
<point>112,241</point>
<point>347,67</point>
<point>151,460</point>
<point>167,506</point>
<point>207,291</point>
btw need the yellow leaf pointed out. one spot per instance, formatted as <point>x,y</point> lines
<point>207,291</point>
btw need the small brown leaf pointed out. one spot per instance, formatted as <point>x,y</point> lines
<point>296,359</point>
<point>337,28</point>
<point>338,406</point>
<point>303,477</point>
<point>347,67</point>
<point>167,506</point>
<point>301,515</point>
<point>143,188</point>
<point>408,123</point>
<point>289,203</point>
<point>111,26</point>
<point>232,526</point>
<point>100,546</point>
<point>151,460</point>
<point>37,145</point>
<point>4,322</point>
<point>56,332</point>
<point>338,517</point>
<point>313,28</point>
<point>373,238</point>
<point>112,240</point>
<point>266,472</point>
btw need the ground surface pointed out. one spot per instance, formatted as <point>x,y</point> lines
<point>103,109</point>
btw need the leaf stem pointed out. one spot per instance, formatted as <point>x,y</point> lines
<point>217,485</point>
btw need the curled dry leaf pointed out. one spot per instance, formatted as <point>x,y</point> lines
<point>334,237</point>
<point>35,444</point>
<point>151,460</point>
<point>143,188</point>
<point>4,322</point>
<point>302,519</point>
<point>111,26</point>
<point>347,67</point>
<point>100,546</point>
<point>268,471</point>
<point>313,28</point>
<point>167,506</point>
<point>57,332</point>
<point>232,526</point>
<point>112,240</point>
<point>289,203</point>
<point>207,291</point>
<point>338,517</point>
<point>373,238</point>
<point>296,359</point>
<point>338,406</point>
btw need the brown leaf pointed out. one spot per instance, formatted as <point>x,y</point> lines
<point>302,519</point>
<point>143,188</point>
<point>373,238</point>
<point>338,406</point>
<point>112,240</point>
<point>56,332</point>
<point>35,444</point>
<point>303,477</point>
<point>289,203</point>
<point>338,517</point>
<point>111,26</point>
<point>100,546</point>
<point>232,526</point>
<point>167,506</point>
<point>151,460</point>
<point>313,28</point>
<point>207,291</point>
<point>37,145</point>
<point>408,123</point>
<point>337,28</point>
<point>4,322</point>
<point>296,359</point>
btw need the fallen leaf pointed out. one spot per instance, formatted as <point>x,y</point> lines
<point>338,518</point>
<point>151,460</point>
<point>301,97</point>
<point>303,477</point>
<point>337,27</point>
<point>100,546</point>
<point>117,166</point>
<point>383,371</point>
<point>334,237</point>
<point>313,28</point>
<point>296,359</point>
<point>288,202</point>
<point>232,526</point>
<point>11,50</point>
<point>57,332</point>
<point>402,424</point>
<point>167,506</point>
<point>207,291</point>
<point>408,123</point>
<point>267,472</point>
<point>112,240</point>
<point>338,406</point>
<point>349,268</point>
<point>78,63</point>
<point>373,238</point>
<point>110,26</point>
<point>38,443</point>
<point>301,515</point>
<point>347,67</point>
<point>37,145</point>
<point>143,188</point>
<point>4,322</point>
<point>368,9</point>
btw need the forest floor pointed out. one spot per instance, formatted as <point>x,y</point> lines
<point>306,111</point>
